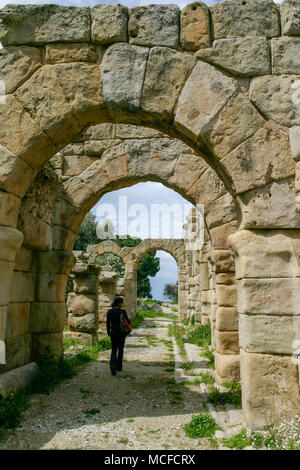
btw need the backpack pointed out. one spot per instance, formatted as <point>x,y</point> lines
<point>126,327</point>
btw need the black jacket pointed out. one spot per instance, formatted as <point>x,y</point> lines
<point>113,319</point>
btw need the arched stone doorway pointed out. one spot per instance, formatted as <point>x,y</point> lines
<point>241,128</point>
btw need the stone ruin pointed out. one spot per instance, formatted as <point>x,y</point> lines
<point>204,100</point>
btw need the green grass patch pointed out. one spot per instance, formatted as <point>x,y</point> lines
<point>206,378</point>
<point>202,425</point>
<point>233,396</point>
<point>200,335</point>
<point>188,366</point>
<point>11,409</point>
<point>196,381</point>
<point>208,354</point>
<point>92,412</point>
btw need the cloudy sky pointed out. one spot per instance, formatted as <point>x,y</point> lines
<point>134,211</point>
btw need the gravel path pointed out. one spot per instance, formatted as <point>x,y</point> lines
<point>140,408</point>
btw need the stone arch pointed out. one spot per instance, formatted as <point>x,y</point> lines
<point>242,128</point>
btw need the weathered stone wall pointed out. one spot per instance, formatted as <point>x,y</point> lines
<point>227,87</point>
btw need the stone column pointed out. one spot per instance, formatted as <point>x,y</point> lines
<point>107,286</point>
<point>268,284</point>
<point>10,241</point>
<point>204,283</point>
<point>82,304</point>
<point>226,317</point>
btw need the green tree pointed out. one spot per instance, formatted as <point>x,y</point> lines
<point>148,266</point>
<point>171,292</point>
<point>87,233</point>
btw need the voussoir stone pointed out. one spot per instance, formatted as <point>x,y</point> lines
<point>278,98</point>
<point>204,94</point>
<point>17,64</point>
<point>290,17</point>
<point>166,73</point>
<point>66,53</point>
<point>245,18</point>
<point>41,24</point>
<point>123,70</point>
<point>245,57</point>
<point>264,157</point>
<point>109,23</point>
<point>154,25</point>
<point>236,122</point>
<point>195,27</point>
<point>285,55</point>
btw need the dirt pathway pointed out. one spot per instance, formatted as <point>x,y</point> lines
<point>140,408</point>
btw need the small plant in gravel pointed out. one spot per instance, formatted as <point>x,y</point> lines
<point>202,425</point>
<point>238,441</point>
<point>188,366</point>
<point>11,410</point>
<point>92,412</point>
<point>233,396</point>
<point>206,378</point>
<point>208,354</point>
<point>196,381</point>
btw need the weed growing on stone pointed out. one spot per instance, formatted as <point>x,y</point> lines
<point>208,354</point>
<point>206,378</point>
<point>202,425</point>
<point>233,396</point>
<point>188,366</point>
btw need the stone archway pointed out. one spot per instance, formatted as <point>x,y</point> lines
<point>242,128</point>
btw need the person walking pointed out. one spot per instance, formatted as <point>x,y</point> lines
<point>113,326</point>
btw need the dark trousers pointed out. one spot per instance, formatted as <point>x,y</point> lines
<point>117,349</point>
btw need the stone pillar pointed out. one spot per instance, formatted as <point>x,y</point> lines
<point>268,284</point>
<point>10,241</point>
<point>82,304</point>
<point>226,317</point>
<point>204,282</point>
<point>107,287</point>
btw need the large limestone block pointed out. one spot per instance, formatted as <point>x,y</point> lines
<point>41,24</point>
<point>237,18</point>
<point>222,260</point>
<point>17,64</point>
<point>154,25</point>
<point>79,305</point>
<point>76,164</point>
<point>221,234</point>
<point>266,253</point>
<point>63,239</point>
<point>285,55</point>
<point>290,17</point>
<point>17,379</point>
<point>17,321</point>
<point>66,103</point>
<point>65,53</point>
<point>264,157</point>
<point>227,342</point>
<point>71,149</point>
<point>272,206</point>
<point>51,287</point>
<point>205,93</point>
<point>41,343</point>
<point>54,262</point>
<point>207,188</point>
<point>245,57</point>
<point>21,135</point>
<point>6,274</point>
<point>270,389</point>
<point>227,319</point>
<point>130,131</point>
<point>86,285</point>
<point>166,73</point>
<point>227,367</point>
<point>23,260</point>
<point>97,147</point>
<point>17,351</point>
<point>10,241</point>
<point>225,278</point>
<point>195,27</point>
<point>123,70</point>
<point>85,324</point>
<point>236,122</point>
<point>22,288</point>
<point>47,317</point>
<point>269,296</point>
<point>268,334</point>
<point>37,233</point>
<point>226,295</point>
<point>220,211</point>
<point>109,23</point>
<point>188,170</point>
<point>294,135</point>
<point>15,174</point>
<point>101,131</point>
<point>277,98</point>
